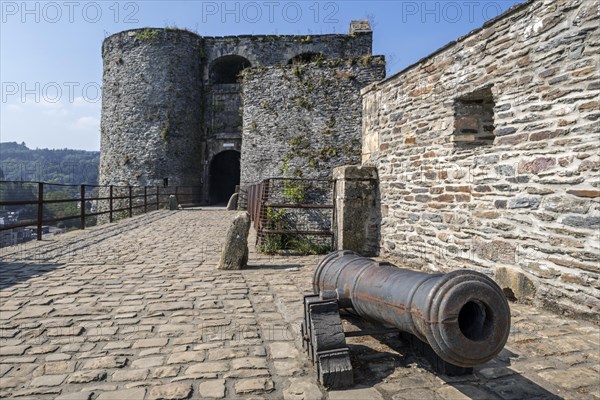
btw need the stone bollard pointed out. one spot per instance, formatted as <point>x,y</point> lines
<point>172,202</point>
<point>357,216</point>
<point>235,249</point>
<point>233,202</point>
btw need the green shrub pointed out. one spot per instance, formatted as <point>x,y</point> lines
<point>271,244</point>
<point>147,35</point>
<point>275,217</point>
<point>304,246</point>
<point>294,190</point>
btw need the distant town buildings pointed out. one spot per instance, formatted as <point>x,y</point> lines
<point>14,236</point>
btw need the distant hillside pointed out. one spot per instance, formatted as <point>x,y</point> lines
<point>74,167</point>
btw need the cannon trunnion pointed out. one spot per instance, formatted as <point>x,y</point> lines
<point>462,316</point>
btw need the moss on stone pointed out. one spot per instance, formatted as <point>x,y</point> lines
<point>164,133</point>
<point>147,35</point>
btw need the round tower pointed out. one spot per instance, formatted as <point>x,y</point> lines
<point>151,127</point>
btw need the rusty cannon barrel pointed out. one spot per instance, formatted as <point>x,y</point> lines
<point>462,315</point>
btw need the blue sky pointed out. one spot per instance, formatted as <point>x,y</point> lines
<point>50,52</point>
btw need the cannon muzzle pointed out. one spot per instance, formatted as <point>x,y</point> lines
<point>462,315</point>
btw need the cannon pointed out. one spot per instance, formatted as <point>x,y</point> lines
<point>462,316</point>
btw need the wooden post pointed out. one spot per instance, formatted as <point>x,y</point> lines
<point>40,212</point>
<point>145,199</point>
<point>326,342</point>
<point>177,194</point>
<point>130,202</point>
<point>157,198</point>
<point>82,199</point>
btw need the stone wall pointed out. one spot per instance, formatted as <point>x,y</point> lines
<point>151,108</point>
<point>165,116</point>
<point>300,121</point>
<point>263,50</point>
<point>487,154</point>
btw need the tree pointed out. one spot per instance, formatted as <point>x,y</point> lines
<point>62,210</point>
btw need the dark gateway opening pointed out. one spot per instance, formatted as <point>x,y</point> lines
<point>224,176</point>
<point>226,69</point>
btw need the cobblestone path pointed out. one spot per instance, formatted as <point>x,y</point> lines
<point>137,310</point>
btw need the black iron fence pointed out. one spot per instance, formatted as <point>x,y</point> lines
<point>35,205</point>
<point>294,215</point>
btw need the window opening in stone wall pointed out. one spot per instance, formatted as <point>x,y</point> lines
<point>226,69</point>
<point>474,119</point>
<point>307,57</point>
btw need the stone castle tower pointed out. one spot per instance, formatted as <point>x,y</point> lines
<point>172,105</point>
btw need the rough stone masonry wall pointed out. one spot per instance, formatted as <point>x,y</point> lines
<point>301,121</point>
<point>263,50</point>
<point>523,207</point>
<point>162,117</point>
<point>151,108</point>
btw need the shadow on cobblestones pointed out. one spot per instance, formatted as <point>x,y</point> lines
<point>379,359</point>
<point>14,273</point>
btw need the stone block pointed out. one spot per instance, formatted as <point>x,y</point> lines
<point>522,286</point>
<point>524,202</point>
<point>235,250</point>
<point>566,204</point>
<point>590,193</point>
<point>165,372</point>
<point>232,204</point>
<point>584,377</point>
<point>128,394</point>
<point>541,270</point>
<point>249,363</point>
<point>87,376</point>
<point>48,380</point>
<point>496,250</point>
<point>214,389</point>
<point>303,389</point>
<point>255,385</point>
<point>537,165</point>
<point>105,362</point>
<point>173,203</point>
<point>130,375</point>
<point>279,350</point>
<point>577,221</point>
<point>172,391</point>
<point>186,356</point>
<point>147,362</point>
<point>206,367</point>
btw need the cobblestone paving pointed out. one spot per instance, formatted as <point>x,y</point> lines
<point>137,310</point>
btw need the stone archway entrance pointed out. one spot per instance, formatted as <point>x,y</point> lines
<point>224,173</point>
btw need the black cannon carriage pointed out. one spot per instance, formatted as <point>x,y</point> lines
<point>462,316</point>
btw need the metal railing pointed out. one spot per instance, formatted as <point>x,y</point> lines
<point>113,201</point>
<point>288,213</point>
